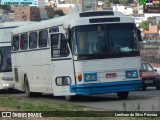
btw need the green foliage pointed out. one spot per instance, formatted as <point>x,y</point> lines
<point>158,24</point>
<point>107,2</point>
<point>5,7</point>
<point>123,2</point>
<point>115,1</point>
<point>57,13</point>
<point>144,25</point>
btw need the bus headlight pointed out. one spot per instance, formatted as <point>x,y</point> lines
<point>90,77</point>
<point>131,73</point>
<point>5,85</point>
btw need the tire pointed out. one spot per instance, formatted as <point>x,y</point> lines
<point>27,89</point>
<point>70,98</point>
<point>144,87</point>
<point>122,95</point>
<point>158,87</point>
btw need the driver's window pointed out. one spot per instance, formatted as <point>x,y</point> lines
<point>59,46</point>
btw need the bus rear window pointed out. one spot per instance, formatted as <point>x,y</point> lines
<point>15,43</point>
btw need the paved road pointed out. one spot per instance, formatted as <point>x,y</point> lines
<point>148,100</point>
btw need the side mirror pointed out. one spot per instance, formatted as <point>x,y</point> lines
<point>139,34</point>
<point>155,70</point>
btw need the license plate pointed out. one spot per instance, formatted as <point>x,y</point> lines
<point>110,75</point>
<point>148,81</point>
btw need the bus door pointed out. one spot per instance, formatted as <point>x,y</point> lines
<point>62,68</point>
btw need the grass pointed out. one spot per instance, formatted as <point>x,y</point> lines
<point>62,109</point>
<point>37,105</point>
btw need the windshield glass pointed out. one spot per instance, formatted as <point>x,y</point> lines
<point>146,67</point>
<point>110,40</point>
<point>5,59</point>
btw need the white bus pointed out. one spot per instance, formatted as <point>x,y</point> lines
<point>6,77</point>
<point>78,54</point>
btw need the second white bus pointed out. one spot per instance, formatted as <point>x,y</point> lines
<point>6,76</point>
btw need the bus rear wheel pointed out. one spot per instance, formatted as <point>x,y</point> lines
<point>26,87</point>
<point>123,95</point>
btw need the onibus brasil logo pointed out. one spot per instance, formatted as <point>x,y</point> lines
<point>144,2</point>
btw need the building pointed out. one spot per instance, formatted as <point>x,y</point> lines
<point>27,13</point>
<point>150,52</point>
<point>124,9</point>
<point>152,34</point>
<point>31,13</point>
<point>150,48</point>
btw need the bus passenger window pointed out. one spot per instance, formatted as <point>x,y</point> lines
<point>24,41</point>
<point>55,29</point>
<point>15,43</point>
<point>43,37</point>
<point>33,40</point>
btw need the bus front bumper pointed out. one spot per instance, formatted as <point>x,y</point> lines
<point>107,87</point>
<point>7,85</point>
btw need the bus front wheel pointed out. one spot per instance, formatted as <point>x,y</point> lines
<point>123,95</point>
<point>70,97</point>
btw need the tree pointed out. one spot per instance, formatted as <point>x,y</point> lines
<point>123,2</point>
<point>5,7</point>
<point>115,1</point>
<point>130,1</point>
<point>106,2</point>
<point>57,13</point>
<point>126,2</point>
<point>144,25</point>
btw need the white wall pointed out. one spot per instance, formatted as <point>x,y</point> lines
<point>125,9</point>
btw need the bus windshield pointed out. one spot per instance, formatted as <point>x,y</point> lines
<point>109,40</point>
<point>5,59</point>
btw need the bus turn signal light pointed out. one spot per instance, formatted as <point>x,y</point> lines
<point>79,77</point>
<point>140,73</point>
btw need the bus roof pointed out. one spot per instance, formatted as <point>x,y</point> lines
<point>75,19</point>
<point>6,29</point>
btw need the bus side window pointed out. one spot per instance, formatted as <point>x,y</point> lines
<point>33,40</point>
<point>15,43</point>
<point>59,46</point>
<point>43,37</point>
<point>24,41</point>
<point>54,29</point>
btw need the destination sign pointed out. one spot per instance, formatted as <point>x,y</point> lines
<point>18,2</point>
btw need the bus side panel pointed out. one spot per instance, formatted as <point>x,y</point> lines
<point>62,68</point>
<point>36,66</point>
